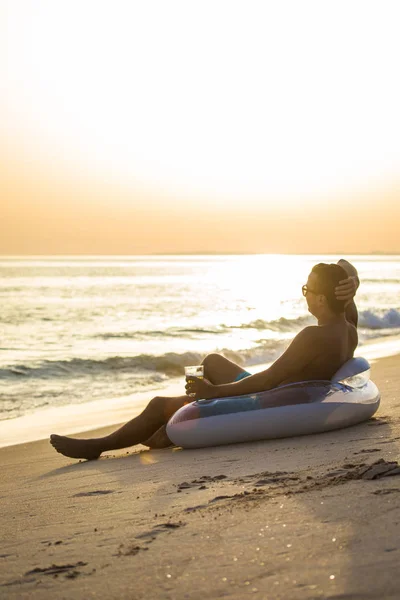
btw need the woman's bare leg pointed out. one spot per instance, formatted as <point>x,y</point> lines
<point>149,427</point>
<point>219,369</point>
<point>159,439</point>
<point>157,413</point>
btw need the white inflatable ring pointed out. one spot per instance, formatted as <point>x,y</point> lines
<point>289,410</point>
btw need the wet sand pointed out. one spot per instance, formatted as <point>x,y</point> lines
<point>308,517</point>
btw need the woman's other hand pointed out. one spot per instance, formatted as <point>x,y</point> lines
<point>346,290</point>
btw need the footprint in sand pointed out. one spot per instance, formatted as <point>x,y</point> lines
<point>186,485</point>
<point>129,550</point>
<point>160,528</point>
<point>93,493</point>
<point>68,570</point>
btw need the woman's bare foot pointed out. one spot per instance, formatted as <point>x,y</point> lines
<point>75,448</point>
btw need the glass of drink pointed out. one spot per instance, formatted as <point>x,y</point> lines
<point>194,372</point>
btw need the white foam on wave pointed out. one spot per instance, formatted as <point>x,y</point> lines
<point>379,320</point>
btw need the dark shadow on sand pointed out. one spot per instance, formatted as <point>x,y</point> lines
<point>105,463</point>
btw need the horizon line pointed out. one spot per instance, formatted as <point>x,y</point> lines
<point>205,253</point>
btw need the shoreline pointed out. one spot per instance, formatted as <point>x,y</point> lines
<point>89,416</point>
<point>304,518</point>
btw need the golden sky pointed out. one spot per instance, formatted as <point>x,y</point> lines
<point>220,126</point>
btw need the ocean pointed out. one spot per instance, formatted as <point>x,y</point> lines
<point>88,328</point>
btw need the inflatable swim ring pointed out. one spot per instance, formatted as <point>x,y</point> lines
<point>350,397</point>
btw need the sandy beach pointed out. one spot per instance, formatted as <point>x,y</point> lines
<point>306,517</point>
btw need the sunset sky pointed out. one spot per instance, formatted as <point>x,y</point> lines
<point>214,126</point>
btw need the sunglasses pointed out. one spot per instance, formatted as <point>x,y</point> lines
<point>305,290</point>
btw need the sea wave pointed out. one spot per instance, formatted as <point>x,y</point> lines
<point>280,325</point>
<point>368,319</point>
<point>168,332</point>
<point>378,319</point>
<point>171,364</point>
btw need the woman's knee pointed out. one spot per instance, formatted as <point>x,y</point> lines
<point>156,411</point>
<point>212,360</point>
<point>219,369</point>
<point>157,404</point>
<point>163,407</point>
